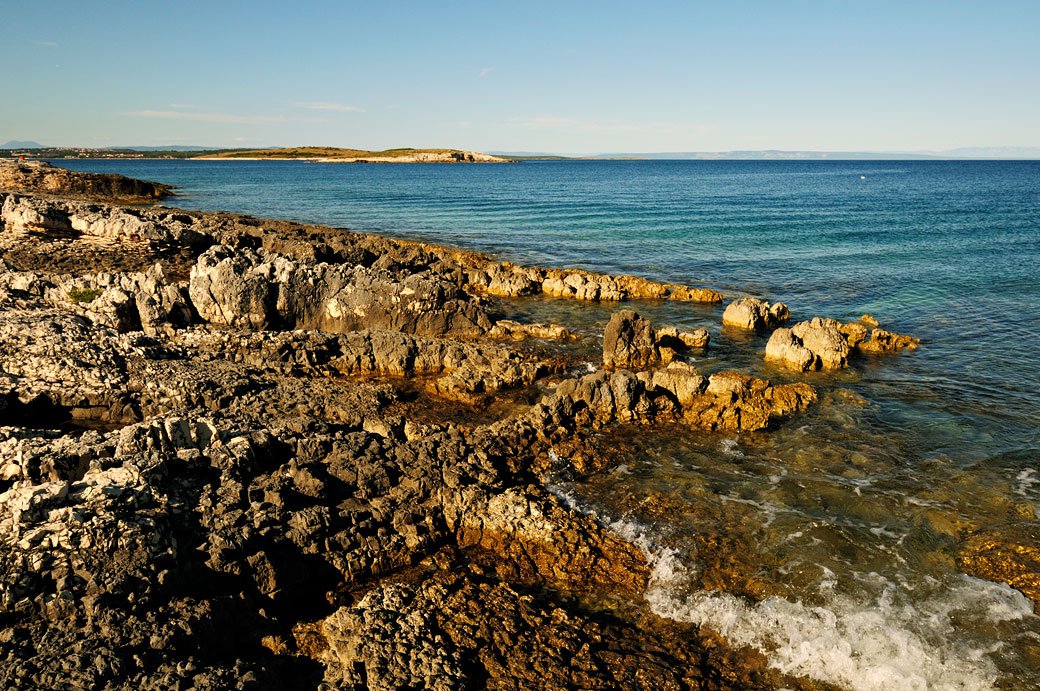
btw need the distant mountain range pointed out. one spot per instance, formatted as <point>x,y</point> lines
<point>20,144</point>
<point>15,144</point>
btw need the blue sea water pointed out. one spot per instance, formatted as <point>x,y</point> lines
<point>948,251</point>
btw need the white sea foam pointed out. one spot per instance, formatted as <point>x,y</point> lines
<point>1026,480</point>
<point>901,639</point>
<point>890,644</point>
<point>730,448</point>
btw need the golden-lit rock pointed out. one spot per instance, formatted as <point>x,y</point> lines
<point>1010,555</point>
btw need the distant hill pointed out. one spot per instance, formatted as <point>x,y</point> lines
<point>17,144</point>
<point>771,155</point>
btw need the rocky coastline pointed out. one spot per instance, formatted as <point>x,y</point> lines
<point>239,453</point>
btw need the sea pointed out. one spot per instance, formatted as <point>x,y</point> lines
<point>848,523</point>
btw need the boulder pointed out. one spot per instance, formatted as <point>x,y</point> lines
<point>784,347</point>
<point>749,313</point>
<point>671,337</point>
<point>826,343</point>
<point>629,341</point>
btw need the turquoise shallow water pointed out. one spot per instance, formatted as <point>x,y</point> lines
<point>858,508</point>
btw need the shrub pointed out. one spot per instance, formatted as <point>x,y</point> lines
<point>84,294</point>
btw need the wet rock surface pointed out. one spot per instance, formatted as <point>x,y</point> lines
<point>1011,556</point>
<point>262,455</point>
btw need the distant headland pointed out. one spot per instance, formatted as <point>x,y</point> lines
<point>328,154</point>
<point>324,154</point>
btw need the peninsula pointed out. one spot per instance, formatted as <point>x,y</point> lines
<point>327,154</point>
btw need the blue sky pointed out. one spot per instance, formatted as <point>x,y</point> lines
<point>524,76</point>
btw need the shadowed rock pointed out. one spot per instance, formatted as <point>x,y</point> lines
<point>631,341</point>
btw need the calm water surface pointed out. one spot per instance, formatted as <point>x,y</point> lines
<point>851,515</point>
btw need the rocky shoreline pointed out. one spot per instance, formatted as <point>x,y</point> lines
<point>241,453</point>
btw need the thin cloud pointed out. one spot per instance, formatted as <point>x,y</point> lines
<point>49,44</point>
<point>485,71</point>
<point>323,105</point>
<point>228,118</point>
<point>545,121</point>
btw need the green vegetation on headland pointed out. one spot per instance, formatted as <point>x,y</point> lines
<point>69,152</point>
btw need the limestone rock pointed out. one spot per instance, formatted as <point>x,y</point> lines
<point>671,337</point>
<point>631,341</point>
<point>784,347</point>
<point>826,343</point>
<point>882,341</point>
<point>724,401</point>
<point>42,177</point>
<point>749,313</point>
<point>505,328</point>
<point>428,635</point>
<point>259,289</point>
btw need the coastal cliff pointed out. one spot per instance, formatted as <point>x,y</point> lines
<point>41,177</point>
<point>247,453</point>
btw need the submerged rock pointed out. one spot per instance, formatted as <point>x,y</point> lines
<point>1010,555</point>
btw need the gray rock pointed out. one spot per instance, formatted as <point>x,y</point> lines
<point>258,289</point>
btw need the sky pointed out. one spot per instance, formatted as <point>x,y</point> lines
<point>570,77</point>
